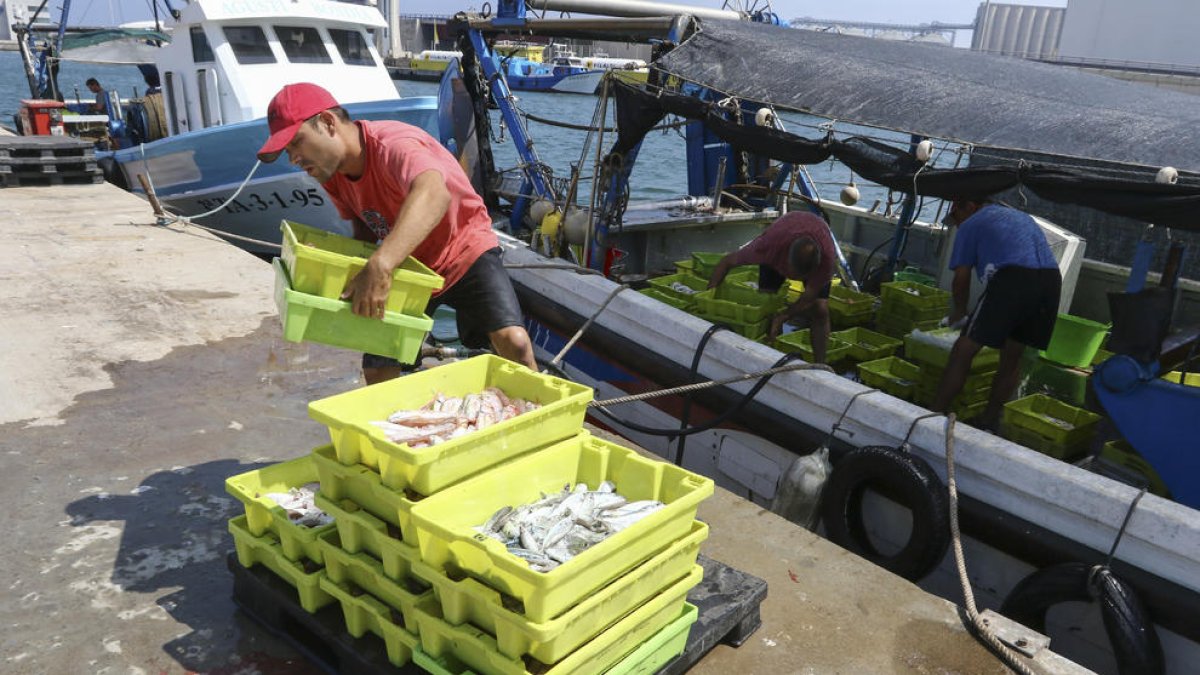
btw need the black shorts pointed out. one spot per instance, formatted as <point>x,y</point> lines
<point>484,301</point>
<point>770,281</point>
<point>1019,303</point>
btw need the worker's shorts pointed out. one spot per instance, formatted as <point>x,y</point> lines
<point>484,301</point>
<point>1019,303</point>
<point>770,281</point>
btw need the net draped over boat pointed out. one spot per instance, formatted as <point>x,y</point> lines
<point>1069,137</point>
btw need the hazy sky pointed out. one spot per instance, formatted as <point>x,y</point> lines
<point>110,12</point>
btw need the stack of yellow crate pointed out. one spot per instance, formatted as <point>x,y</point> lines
<point>930,350</point>
<point>906,306</point>
<point>405,564</point>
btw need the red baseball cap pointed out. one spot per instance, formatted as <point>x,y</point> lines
<point>291,107</point>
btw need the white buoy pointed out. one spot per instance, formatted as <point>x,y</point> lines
<point>1168,175</point>
<point>576,226</point>
<point>850,194</point>
<point>538,211</point>
<point>765,117</point>
<point>924,150</point>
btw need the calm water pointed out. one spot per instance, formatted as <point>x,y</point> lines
<point>660,171</point>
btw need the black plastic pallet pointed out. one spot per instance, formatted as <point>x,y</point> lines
<point>42,165</point>
<point>728,601</point>
<point>40,179</point>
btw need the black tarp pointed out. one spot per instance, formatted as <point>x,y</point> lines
<point>1081,115</point>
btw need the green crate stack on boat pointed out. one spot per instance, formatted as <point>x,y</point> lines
<point>1049,426</point>
<point>403,515</point>
<point>906,306</point>
<point>849,308</point>
<point>800,341</point>
<point>930,350</point>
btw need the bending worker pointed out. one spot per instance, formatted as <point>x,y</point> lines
<point>401,188</point>
<point>1019,304</point>
<point>797,246</point>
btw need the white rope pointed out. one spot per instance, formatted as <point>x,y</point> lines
<point>586,324</point>
<point>683,389</point>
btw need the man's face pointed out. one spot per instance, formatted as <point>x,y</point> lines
<point>94,88</point>
<point>316,149</point>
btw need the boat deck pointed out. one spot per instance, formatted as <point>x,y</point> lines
<point>143,365</point>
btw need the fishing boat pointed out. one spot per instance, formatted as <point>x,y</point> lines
<point>1023,513</point>
<point>218,74</point>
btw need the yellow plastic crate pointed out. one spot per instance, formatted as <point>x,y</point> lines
<point>1122,455</point>
<point>263,515</point>
<point>366,614</point>
<point>469,601</point>
<point>1192,379</point>
<point>265,550</point>
<point>322,263</point>
<point>893,375</point>
<point>663,285</point>
<point>1063,424</point>
<point>867,345</point>
<point>427,470</point>
<point>311,318</point>
<point>929,354</point>
<point>360,532</point>
<point>647,659</point>
<point>801,341</point>
<point>1053,447</point>
<point>365,488</point>
<point>467,647</point>
<point>362,571</point>
<point>914,300</point>
<point>737,303</point>
<point>448,541</point>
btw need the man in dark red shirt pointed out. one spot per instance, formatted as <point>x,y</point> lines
<point>401,188</point>
<point>797,246</point>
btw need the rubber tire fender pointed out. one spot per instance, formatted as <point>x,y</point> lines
<point>904,478</point>
<point>1129,627</point>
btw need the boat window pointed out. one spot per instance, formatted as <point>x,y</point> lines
<point>352,47</point>
<point>249,44</point>
<point>201,50</point>
<point>302,44</point>
<point>169,82</point>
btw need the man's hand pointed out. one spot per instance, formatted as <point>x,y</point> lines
<point>719,272</point>
<point>368,290</point>
<point>777,322</point>
<point>952,321</point>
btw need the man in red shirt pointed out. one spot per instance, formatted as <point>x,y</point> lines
<point>796,246</point>
<point>401,188</point>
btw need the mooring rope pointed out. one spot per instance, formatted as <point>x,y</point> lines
<point>683,389</point>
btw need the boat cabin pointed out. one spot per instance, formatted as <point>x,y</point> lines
<point>228,59</point>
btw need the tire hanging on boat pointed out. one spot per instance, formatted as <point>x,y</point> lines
<point>904,478</point>
<point>1129,627</point>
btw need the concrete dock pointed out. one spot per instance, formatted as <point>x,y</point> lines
<point>143,365</point>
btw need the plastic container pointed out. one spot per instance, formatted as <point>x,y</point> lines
<point>1064,425</point>
<point>458,648</point>
<point>366,490</point>
<point>359,570</point>
<point>975,382</point>
<point>361,532</point>
<point>913,297</point>
<point>795,288</point>
<point>848,308</point>
<point>366,614</point>
<point>263,515</point>
<point>685,267</point>
<point>1075,341</point>
<point>666,299</point>
<point>663,285</point>
<point>1192,379</point>
<point>704,263</point>
<point>311,318</point>
<point>1067,452</point>
<point>1130,467</point>
<point>892,375</point>
<point>801,341</point>
<point>265,550</point>
<point>737,303</point>
<point>322,263</point>
<point>752,330</point>
<point>867,345</point>
<point>927,348</point>
<point>446,521</point>
<point>915,275</point>
<point>427,470</point>
<point>469,601</point>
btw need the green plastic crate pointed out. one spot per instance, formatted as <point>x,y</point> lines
<point>663,285</point>
<point>427,470</point>
<point>1065,425</point>
<point>685,267</point>
<point>915,275</point>
<point>367,614</point>
<point>469,601</point>
<point>848,307</point>
<point>460,649</point>
<point>359,570</point>
<point>893,375</point>
<point>867,345</point>
<point>1067,452</point>
<point>311,318</point>
<point>751,330</point>
<point>931,353</point>
<point>704,263</point>
<point>263,515</point>
<point>1075,341</point>
<point>365,488</point>
<point>932,377</point>
<point>673,301</point>
<point>361,532</point>
<point>265,550</point>
<point>446,521</point>
<point>1137,471</point>
<point>737,303</point>
<point>923,319</point>
<point>801,342</point>
<point>321,263</point>
<point>967,397</point>
<point>1177,377</point>
<point>913,296</point>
